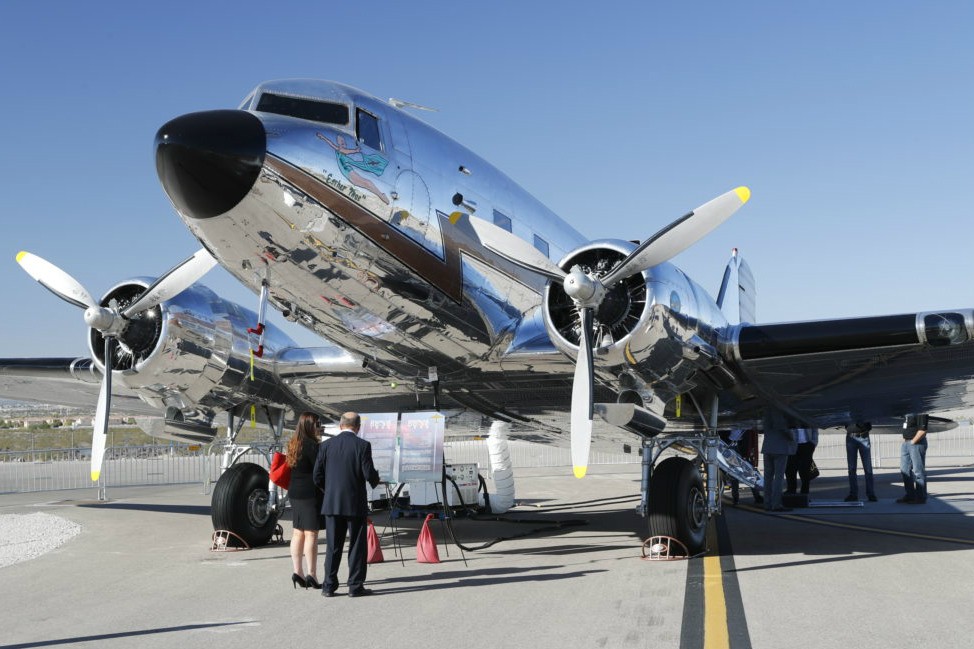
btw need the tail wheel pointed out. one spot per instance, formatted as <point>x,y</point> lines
<point>240,504</point>
<point>678,503</point>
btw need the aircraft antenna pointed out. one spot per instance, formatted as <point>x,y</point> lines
<point>399,103</point>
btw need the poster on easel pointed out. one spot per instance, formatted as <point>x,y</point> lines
<point>381,430</point>
<point>421,447</point>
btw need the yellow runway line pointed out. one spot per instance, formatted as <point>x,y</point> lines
<point>715,634</point>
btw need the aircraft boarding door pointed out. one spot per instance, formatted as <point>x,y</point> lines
<point>412,212</point>
<point>411,209</point>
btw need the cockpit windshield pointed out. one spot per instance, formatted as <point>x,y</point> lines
<point>325,112</point>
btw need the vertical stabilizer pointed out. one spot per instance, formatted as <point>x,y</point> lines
<point>736,298</point>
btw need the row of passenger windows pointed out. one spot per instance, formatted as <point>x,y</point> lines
<point>366,130</point>
<point>504,221</point>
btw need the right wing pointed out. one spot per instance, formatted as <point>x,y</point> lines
<point>72,382</point>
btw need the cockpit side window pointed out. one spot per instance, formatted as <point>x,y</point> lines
<point>325,112</point>
<point>367,129</point>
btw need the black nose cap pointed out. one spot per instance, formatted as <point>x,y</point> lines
<point>208,161</point>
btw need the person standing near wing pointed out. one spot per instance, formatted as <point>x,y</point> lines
<point>857,444</point>
<point>913,459</point>
<point>779,443</point>
<point>800,464</point>
<point>343,467</point>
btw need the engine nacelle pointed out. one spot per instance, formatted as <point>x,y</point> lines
<point>190,353</point>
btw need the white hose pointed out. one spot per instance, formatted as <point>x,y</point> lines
<point>501,473</point>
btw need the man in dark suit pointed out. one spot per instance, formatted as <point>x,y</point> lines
<point>343,466</point>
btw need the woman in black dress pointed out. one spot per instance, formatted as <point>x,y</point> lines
<point>302,450</point>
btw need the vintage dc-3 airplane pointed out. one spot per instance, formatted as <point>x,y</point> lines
<point>435,278</point>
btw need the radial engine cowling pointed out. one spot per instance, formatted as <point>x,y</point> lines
<point>647,332</point>
<point>191,352</point>
<point>617,317</point>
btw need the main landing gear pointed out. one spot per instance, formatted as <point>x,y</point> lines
<point>677,503</point>
<point>682,492</point>
<point>241,504</point>
<point>245,501</point>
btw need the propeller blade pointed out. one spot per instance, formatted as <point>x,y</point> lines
<point>99,432</point>
<point>172,283</point>
<point>515,249</point>
<point>55,280</point>
<point>582,389</point>
<point>679,235</point>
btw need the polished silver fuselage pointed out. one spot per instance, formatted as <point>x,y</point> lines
<point>364,224</point>
<point>369,246</point>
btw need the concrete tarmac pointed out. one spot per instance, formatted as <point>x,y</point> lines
<point>883,575</point>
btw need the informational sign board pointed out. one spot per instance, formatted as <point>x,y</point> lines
<point>421,447</point>
<point>381,429</point>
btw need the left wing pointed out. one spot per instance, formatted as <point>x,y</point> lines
<point>876,369</point>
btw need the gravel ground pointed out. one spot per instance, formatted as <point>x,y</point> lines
<point>28,536</point>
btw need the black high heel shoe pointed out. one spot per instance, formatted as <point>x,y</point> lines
<point>311,582</point>
<point>298,580</point>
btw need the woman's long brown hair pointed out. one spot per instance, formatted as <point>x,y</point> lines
<point>307,427</point>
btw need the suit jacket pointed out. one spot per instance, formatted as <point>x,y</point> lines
<point>343,467</point>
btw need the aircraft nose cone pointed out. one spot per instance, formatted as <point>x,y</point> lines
<point>208,161</point>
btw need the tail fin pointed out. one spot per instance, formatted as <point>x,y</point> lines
<point>737,305</point>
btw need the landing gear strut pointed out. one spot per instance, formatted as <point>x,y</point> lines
<point>675,498</point>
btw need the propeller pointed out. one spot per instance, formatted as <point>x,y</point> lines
<point>112,321</point>
<point>55,280</point>
<point>582,388</point>
<point>587,290</point>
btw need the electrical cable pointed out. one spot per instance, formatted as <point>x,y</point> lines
<point>549,525</point>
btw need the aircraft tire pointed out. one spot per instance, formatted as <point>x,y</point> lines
<point>678,503</point>
<point>240,504</point>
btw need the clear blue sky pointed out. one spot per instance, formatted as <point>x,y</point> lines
<point>850,121</point>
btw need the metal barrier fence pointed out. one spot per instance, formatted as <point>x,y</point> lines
<point>59,469</point>
<point>531,455</point>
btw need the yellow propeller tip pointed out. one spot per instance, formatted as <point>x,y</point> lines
<point>95,475</point>
<point>743,193</point>
<point>21,255</point>
<point>580,471</point>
